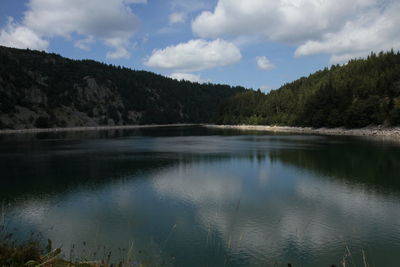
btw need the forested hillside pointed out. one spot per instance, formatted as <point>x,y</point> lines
<point>40,90</point>
<point>361,93</point>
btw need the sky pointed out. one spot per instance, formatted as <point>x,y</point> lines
<point>259,44</point>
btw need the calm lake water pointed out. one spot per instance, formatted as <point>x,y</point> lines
<point>201,197</point>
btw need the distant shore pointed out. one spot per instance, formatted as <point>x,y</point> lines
<point>379,131</point>
<point>390,132</point>
<point>92,128</point>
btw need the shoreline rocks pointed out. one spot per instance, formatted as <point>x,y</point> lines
<point>378,131</point>
<point>393,132</point>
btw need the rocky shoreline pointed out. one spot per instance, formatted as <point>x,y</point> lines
<point>378,131</point>
<point>90,128</point>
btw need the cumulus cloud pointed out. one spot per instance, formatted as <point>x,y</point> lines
<point>275,19</point>
<point>106,19</point>
<point>112,22</point>
<point>14,35</point>
<point>177,17</point>
<point>186,77</point>
<point>354,27</point>
<point>375,31</point>
<point>195,55</point>
<point>263,63</point>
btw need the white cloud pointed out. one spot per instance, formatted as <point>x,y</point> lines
<point>120,52</point>
<point>102,18</point>
<point>112,22</point>
<point>177,17</point>
<point>277,19</point>
<point>84,44</point>
<point>195,55</point>
<point>375,31</point>
<point>341,28</point>
<point>14,35</point>
<point>187,77</point>
<point>263,63</point>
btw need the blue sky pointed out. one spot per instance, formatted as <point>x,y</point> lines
<point>253,43</point>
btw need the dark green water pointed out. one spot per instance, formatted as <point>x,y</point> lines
<point>198,197</point>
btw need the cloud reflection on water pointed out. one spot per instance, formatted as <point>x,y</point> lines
<point>262,197</point>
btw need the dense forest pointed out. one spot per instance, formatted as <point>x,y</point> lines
<point>41,90</point>
<point>360,93</point>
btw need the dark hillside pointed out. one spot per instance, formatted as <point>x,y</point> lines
<point>41,90</point>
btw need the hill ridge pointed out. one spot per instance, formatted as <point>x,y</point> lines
<point>42,90</point>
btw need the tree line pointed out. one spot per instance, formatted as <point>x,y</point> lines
<point>360,93</point>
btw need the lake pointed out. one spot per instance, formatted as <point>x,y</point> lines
<point>191,196</point>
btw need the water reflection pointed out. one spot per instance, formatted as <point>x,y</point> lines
<point>293,216</point>
<point>198,199</point>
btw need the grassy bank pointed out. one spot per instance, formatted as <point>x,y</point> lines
<point>32,254</point>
